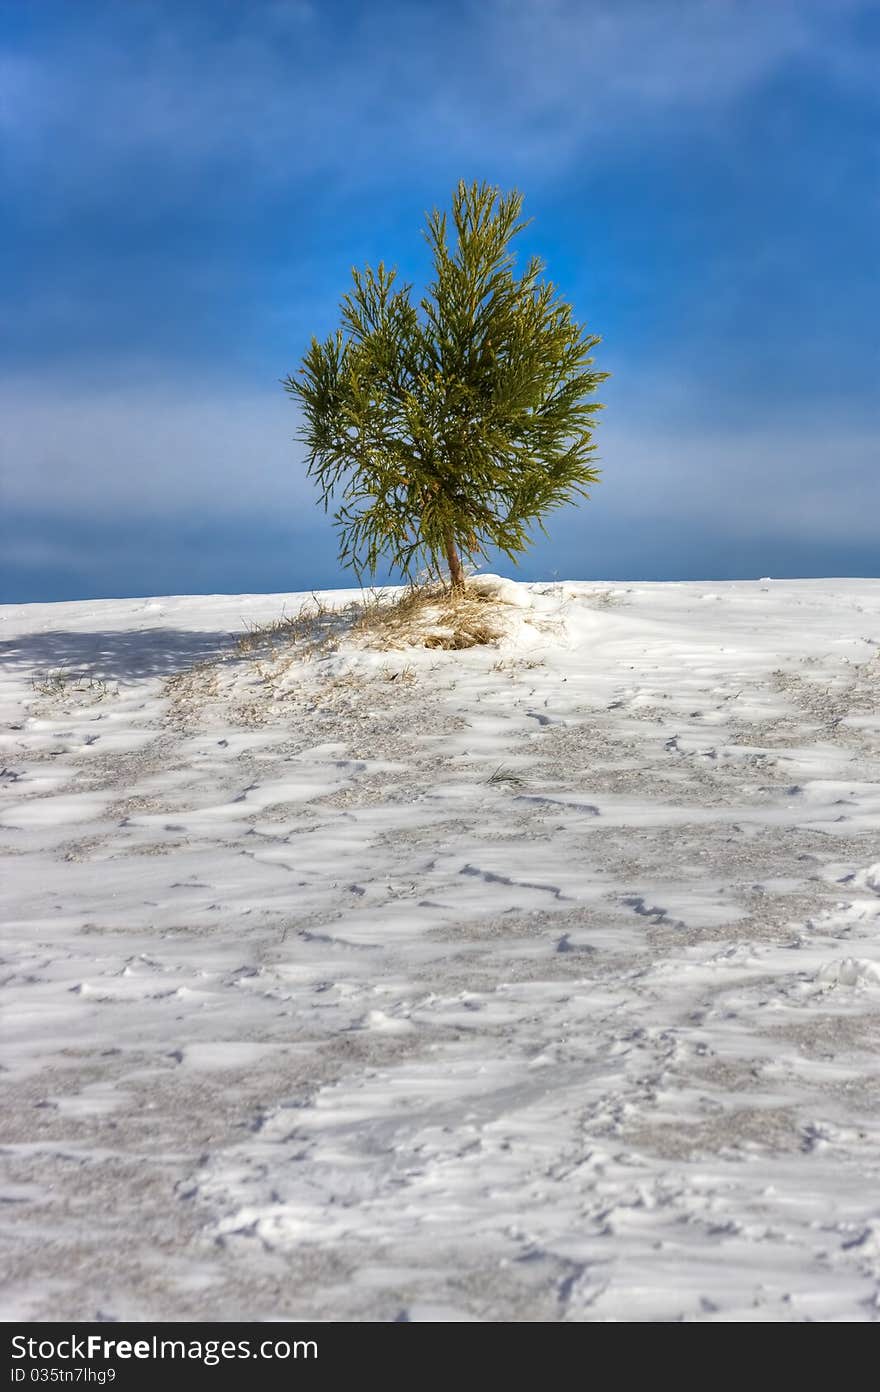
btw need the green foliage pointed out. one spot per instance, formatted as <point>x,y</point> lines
<point>447,429</point>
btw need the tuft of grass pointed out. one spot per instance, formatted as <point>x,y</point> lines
<point>510,666</point>
<point>503,775</point>
<point>259,635</point>
<point>404,675</point>
<point>424,615</point>
<point>428,616</point>
<point>315,625</point>
<point>61,682</point>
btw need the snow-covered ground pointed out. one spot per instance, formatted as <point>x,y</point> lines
<point>533,982</point>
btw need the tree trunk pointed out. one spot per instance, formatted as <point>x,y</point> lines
<point>456,572</point>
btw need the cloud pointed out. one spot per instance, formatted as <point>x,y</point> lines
<point>281,90</point>
<point>196,450</point>
<point>795,482</point>
<point>149,447</point>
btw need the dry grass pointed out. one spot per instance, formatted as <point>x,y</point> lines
<point>422,616</point>
<point>428,616</point>
<point>511,666</point>
<point>505,775</point>
<point>61,682</point>
<point>257,636</point>
<point>314,625</point>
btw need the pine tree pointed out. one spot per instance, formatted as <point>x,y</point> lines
<point>454,427</point>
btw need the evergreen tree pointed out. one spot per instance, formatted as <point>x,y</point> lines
<point>453,427</point>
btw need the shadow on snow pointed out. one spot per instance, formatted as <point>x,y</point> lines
<point>114,656</point>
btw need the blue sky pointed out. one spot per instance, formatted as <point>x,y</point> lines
<point>186,186</point>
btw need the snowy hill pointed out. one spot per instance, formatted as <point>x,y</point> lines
<point>534,981</point>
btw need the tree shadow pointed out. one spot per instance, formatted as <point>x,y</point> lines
<point>131,654</point>
<point>126,655</point>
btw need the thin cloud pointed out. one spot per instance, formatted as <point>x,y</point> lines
<point>287,90</point>
<point>775,481</point>
<point>196,450</point>
<point>152,449</point>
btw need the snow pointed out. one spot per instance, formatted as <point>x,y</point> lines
<point>529,982</point>
<point>502,590</point>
